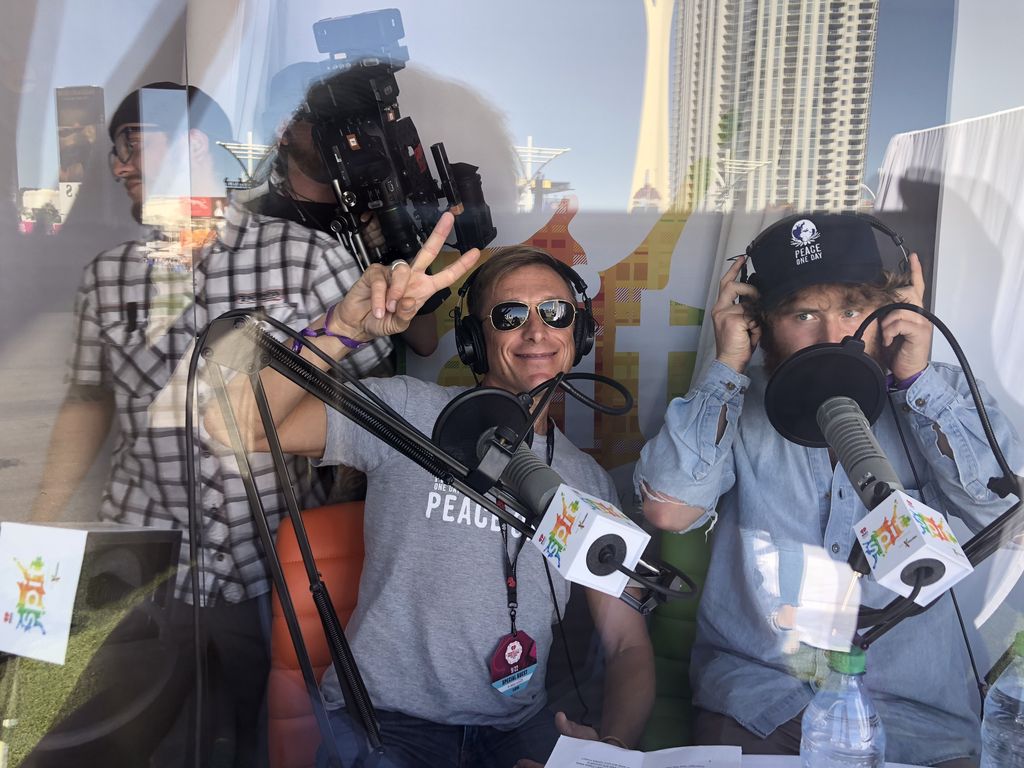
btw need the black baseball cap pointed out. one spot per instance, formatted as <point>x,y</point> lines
<point>812,249</point>
<point>308,91</point>
<point>286,94</point>
<point>160,104</point>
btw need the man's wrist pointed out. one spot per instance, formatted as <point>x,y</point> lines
<point>905,383</point>
<point>739,366</point>
<point>334,326</point>
<point>349,338</point>
<point>723,380</point>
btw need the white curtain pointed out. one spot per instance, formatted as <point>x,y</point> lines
<point>978,167</point>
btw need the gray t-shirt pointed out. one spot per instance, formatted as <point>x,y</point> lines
<point>432,599</point>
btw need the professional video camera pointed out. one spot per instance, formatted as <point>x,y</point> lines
<point>373,155</point>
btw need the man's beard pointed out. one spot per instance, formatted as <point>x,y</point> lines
<point>773,356</point>
<point>308,161</point>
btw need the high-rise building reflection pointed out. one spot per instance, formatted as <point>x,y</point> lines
<point>770,102</point>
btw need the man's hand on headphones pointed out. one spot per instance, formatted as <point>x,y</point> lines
<point>907,336</point>
<point>386,299</point>
<point>736,330</point>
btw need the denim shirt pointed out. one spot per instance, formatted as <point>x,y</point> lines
<point>772,498</point>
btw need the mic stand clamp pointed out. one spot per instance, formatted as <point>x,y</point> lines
<point>660,582</point>
<point>497,456</point>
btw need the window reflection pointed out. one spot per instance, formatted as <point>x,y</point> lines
<point>640,145</point>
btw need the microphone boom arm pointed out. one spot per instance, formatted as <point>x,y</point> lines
<point>360,406</point>
<point>983,544</point>
<point>235,341</point>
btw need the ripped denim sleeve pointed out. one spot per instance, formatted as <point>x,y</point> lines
<point>686,462</point>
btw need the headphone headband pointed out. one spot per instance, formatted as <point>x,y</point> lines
<point>569,274</point>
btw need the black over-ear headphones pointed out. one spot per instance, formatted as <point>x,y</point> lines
<point>469,330</point>
<point>747,277</point>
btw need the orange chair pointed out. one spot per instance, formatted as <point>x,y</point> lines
<point>336,537</point>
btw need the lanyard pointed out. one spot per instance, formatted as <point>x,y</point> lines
<point>510,563</point>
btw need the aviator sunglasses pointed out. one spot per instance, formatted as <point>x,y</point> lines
<point>555,313</point>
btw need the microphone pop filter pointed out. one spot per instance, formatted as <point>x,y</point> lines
<point>459,426</point>
<point>808,378</point>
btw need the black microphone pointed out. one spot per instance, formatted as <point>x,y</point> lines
<point>828,395</point>
<point>586,539</point>
<point>846,429</point>
<point>526,475</point>
<point>478,428</point>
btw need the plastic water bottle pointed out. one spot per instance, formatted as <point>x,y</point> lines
<point>1002,730</point>
<point>841,728</point>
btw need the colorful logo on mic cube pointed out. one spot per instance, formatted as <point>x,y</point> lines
<point>572,523</point>
<point>901,532</point>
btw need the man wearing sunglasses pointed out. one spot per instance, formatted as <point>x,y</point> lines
<point>431,631</point>
<point>137,315</point>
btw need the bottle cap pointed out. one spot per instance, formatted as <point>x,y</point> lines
<point>852,662</point>
<point>1018,644</point>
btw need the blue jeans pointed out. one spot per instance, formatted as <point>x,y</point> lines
<point>413,743</point>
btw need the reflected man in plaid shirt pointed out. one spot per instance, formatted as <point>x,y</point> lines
<point>137,314</point>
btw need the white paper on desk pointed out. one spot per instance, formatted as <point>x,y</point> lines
<point>583,753</point>
<point>39,570</point>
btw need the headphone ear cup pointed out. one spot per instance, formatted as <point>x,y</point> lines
<point>469,341</point>
<point>583,333</point>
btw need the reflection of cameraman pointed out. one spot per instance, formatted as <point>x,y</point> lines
<point>298,187</point>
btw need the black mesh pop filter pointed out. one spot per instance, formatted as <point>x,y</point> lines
<point>468,416</point>
<point>810,377</point>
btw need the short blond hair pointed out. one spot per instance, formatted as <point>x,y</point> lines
<point>505,261</point>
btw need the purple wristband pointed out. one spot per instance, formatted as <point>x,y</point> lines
<point>906,383</point>
<point>313,333</point>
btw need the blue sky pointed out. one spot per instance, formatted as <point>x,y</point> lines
<point>569,73</point>
<point>912,62</point>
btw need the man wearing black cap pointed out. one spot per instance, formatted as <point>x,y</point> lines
<point>138,311</point>
<point>779,507</point>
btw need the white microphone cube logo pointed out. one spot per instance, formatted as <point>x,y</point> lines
<point>901,531</point>
<point>572,522</point>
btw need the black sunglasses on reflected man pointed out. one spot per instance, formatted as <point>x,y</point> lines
<point>555,313</point>
<point>126,142</point>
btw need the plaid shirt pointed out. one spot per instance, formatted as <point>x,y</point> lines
<point>136,320</point>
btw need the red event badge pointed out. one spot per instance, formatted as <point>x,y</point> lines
<point>513,663</point>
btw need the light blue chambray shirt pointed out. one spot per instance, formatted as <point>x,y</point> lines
<point>772,498</point>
